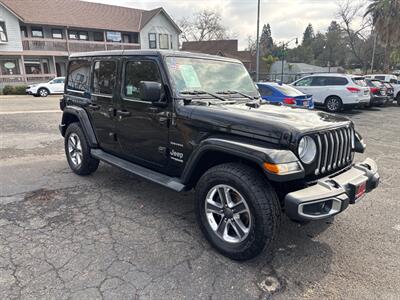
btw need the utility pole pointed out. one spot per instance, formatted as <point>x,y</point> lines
<point>258,44</point>
<point>283,60</point>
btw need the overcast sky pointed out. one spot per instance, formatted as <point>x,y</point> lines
<point>288,18</point>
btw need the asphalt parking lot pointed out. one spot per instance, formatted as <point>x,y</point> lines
<point>114,236</point>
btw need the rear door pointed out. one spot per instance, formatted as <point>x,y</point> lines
<point>102,106</point>
<point>142,128</point>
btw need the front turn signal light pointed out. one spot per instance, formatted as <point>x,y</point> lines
<point>281,169</point>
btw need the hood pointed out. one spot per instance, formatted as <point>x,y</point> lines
<point>267,120</point>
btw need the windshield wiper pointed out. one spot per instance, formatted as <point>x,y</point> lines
<point>230,92</point>
<point>201,92</point>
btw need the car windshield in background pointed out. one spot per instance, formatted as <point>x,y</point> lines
<point>359,81</point>
<point>288,90</point>
<point>197,74</point>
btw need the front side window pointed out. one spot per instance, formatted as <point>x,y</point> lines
<point>304,82</point>
<point>3,32</point>
<point>152,41</point>
<point>137,71</point>
<point>37,32</point>
<point>78,75</point>
<point>57,34</point>
<point>114,36</point>
<point>9,67</point>
<point>164,43</point>
<point>104,77</point>
<point>210,75</point>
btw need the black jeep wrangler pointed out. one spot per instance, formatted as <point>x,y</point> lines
<point>187,121</point>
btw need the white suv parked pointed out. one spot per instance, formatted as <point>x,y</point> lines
<point>54,86</point>
<point>334,91</point>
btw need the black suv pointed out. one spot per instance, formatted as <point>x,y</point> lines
<point>187,121</point>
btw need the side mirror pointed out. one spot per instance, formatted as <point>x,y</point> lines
<point>150,91</point>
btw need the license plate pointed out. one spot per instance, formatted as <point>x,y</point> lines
<point>360,190</point>
<point>305,103</point>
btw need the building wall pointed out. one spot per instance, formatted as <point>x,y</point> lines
<point>14,43</point>
<point>159,24</point>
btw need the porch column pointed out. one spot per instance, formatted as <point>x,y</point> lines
<point>23,69</point>
<point>54,65</point>
<point>67,40</point>
<point>105,40</point>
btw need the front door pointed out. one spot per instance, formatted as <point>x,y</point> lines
<point>142,128</point>
<point>102,107</point>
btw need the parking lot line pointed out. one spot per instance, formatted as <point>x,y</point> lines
<point>28,112</point>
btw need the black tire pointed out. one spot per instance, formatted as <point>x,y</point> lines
<point>43,92</point>
<point>262,202</point>
<point>333,104</point>
<point>398,98</point>
<point>87,164</point>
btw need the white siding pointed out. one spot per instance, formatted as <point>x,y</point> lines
<point>13,31</point>
<point>159,24</point>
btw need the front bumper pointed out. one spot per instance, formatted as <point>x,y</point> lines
<point>331,195</point>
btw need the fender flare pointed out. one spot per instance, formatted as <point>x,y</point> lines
<point>253,153</point>
<point>84,120</point>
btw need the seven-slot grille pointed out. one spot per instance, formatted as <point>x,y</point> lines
<point>334,149</point>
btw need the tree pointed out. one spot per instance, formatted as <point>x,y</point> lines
<point>204,26</point>
<point>268,61</point>
<point>386,21</point>
<point>308,36</point>
<point>266,41</point>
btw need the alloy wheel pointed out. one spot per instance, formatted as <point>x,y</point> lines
<point>227,213</point>
<point>333,104</point>
<point>43,93</point>
<point>75,149</point>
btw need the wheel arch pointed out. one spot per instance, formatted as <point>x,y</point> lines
<point>215,151</point>
<point>43,88</point>
<point>72,114</point>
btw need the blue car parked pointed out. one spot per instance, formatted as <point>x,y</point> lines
<point>284,94</point>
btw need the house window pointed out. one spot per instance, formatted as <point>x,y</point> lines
<point>98,36</point>
<point>163,40</point>
<point>114,36</point>
<point>3,32</point>
<point>9,67</point>
<point>57,34</point>
<point>83,35</point>
<point>135,38</point>
<point>37,32</point>
<point>126,38</point>
<point>152,41</point>
<point>72,35</point>
<point>37,66</point>
<point>170,40</point>
<point>24,33</point>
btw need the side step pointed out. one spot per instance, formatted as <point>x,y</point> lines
<point>164,180</point>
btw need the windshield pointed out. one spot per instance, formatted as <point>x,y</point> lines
<point>288,90</point>
<point>190,74</point>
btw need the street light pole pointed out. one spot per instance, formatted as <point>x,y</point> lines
<point>283,60</point>
<point>258,43</point>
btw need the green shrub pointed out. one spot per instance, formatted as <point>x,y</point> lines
<point>20,89</point>
<point>14,90</point>
<point>8,90</point>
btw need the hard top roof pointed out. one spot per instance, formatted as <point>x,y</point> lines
<point>161,53</point>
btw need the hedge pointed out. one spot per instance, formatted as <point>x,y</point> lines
<point>14,90</point>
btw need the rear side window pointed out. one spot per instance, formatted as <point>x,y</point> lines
<point>359,81</point>
<point>104,77</point>
<point>137,71</point>
<point>380,77</point>
<point>319,81</point>
<point>264,90</point>
<point>336,81</point>
<point>78,75</point>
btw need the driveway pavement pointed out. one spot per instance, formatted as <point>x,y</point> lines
<point>114,236</point>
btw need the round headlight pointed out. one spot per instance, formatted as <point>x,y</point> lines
<point>307,149</point>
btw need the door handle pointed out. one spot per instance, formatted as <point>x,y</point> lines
<point>94,106</point>
<point>123,113</point>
